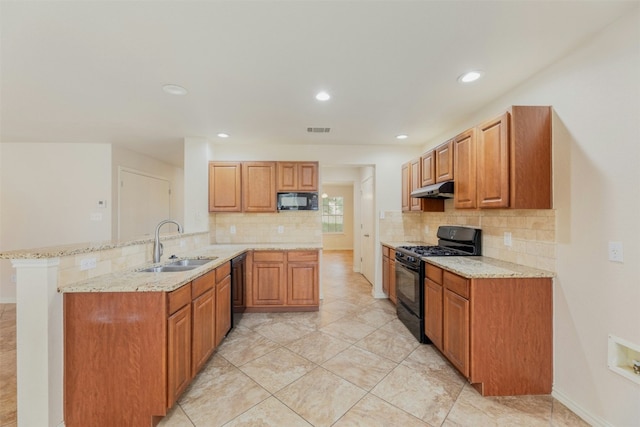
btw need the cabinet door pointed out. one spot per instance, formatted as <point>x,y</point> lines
<point>406,187</point>
<point>416,180</point>
<point>203,313</point>
<point>179,353</point>
<point>269,287</point>
<point>302,283</point>
<point>433,312</point>
<point>428,162</point>
<point>392,277</point>
<point>259,186</point>
<point>287,176</point>
<point>455,340</point>
<point>225,187</point>
<point>465,167</point>
<point>492,151</point>
<point>308,176</point>
<point>238,285</point>
<point>385,275</point>
<point>444,162</point>
<point>223,308</point>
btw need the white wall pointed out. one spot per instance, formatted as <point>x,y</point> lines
<point>48,193</point>
<point>196,184</point>
<point>128,159</point>
<point>595,93</point>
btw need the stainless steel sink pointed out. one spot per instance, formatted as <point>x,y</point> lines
<point>180,265</point>
<point>192,262</point>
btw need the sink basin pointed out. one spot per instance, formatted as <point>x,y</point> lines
<point>180,265</point>
<point>191,262</point>
<point>168,268</point>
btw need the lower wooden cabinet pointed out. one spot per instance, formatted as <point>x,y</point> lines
<point>283,280</point>
<point>496,331</point>
<point>128,356</point>
<point>389,272</point>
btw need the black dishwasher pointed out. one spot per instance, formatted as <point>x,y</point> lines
<point>238,280</point>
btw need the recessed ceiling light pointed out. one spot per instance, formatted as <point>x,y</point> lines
<point>174,90</point>
<point>470,76</point>
<point>223,135</point>
<point>402,136</point>
<point>323,96</point>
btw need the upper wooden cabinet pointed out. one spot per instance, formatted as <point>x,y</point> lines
<point>406,187</point>
<point>225,187</point>
<point>506,162</point>
<point>412,180</point>
<point>415,180</point>
<point>297,176</point>
<point>428,162</point>
<point>443,155</point>
<point>259,186</point>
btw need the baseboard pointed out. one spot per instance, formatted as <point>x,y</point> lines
<point>588,417</point>
<point>8,300</point>
<point>380,295</point>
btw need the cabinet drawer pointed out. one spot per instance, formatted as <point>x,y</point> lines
<point>302,256</point>
<point>223,271</point>
<point>202,284</point>
<point>456,284</point>
<point>434,273</point>
<point>179,298</point>
<point>268,256</point>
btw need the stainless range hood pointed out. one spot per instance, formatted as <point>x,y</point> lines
<point>443,190</point>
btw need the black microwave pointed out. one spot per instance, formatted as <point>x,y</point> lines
<point>297,201</point>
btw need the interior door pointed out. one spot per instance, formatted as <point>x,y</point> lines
<point>144,201</point>
<point>367,237</point>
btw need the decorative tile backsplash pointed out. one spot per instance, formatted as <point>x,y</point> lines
<point>533,237</point>
<point>281,227</point>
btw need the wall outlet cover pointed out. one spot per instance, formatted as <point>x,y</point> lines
<point>88,263</point>
<point>615,252</point>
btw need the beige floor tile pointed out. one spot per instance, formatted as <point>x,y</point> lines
<point>428,360</point>
<point>374,316</point>
<point>283,332</point>
<point>269,413</point>
<point>418,394</point>
<point>277,369</point>
<point>348,329</point>
<point>388,344</point>
<point>561,416</point>
<point>372,411</point>
<point>318,346</point>
<point>320,397</point>
<point>243,345</point>
<point>360,367</point>
<point>220,393</point>
<point>471,409</point>
<point>175,418</point>
<point>251,320</point>
<point>397,327</point>
<point>339,306</point>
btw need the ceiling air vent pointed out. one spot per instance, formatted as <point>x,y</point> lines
<point>318,130</point>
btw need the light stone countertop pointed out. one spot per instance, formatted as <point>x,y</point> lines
<point>136,281</point>
<point>479,267</point>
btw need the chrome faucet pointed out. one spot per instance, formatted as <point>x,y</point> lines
<point>157,246</point>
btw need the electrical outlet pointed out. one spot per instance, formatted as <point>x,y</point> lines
<point>615,252</point>
<point>182,243</point>
<point>14,278</point>
<point>381,214</point>
<point>507,239</point>
<point>280,229</point>
<point>232,229</point>
<point>88,263</point>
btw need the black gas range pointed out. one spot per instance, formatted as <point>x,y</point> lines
<point>452,241</point>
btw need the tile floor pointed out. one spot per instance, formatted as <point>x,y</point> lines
<point>350,364</point>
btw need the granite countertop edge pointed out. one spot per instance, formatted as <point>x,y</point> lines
<point>136,281</point>
<point>479,267</point>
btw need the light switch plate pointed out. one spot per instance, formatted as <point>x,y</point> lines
<point>507,239</point>
<point>88,263</point>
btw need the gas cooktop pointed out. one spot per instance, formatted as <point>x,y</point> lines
<point>433,251</point>
<point>452,241</point>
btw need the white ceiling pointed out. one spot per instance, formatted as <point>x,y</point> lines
<point>92,72</point>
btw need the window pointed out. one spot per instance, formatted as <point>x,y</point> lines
<point>333,215</point>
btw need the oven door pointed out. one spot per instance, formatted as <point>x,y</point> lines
<point>408,287</point>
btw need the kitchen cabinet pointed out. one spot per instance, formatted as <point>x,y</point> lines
<point>128,356</point>
<point>412,180</point>
<point>496,331</point>
<point>389,272</point>
<point>223,302</point>
<point>297,176</point>
<point>443,156</point>
<point>258,186</point>
<point>506,162</point>
<point>302,278</point>
<point>428,168</point>
<point>283,280</point>
<point>225,187</point>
